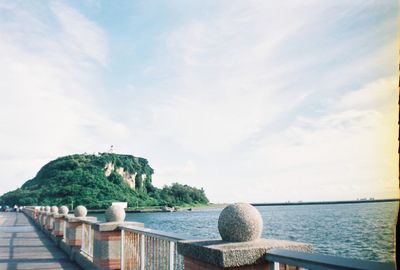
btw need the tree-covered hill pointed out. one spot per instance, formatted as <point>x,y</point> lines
<point>98,180</point>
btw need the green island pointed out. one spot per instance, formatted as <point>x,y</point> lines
<point>97,180</point>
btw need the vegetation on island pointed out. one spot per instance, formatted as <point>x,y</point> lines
<point>98,180</point>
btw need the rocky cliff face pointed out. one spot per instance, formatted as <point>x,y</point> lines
<point>129,178</point>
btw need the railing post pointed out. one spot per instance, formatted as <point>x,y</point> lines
<point>142,253</point>
<point>271,266</point>
<point>83,240</point>
<point>65,229</point>
<point>240,226</point>
<point>122,249</point>
<point>90,247</point>
<point>171,255</point>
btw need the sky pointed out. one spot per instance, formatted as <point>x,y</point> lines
<point>254,101</point>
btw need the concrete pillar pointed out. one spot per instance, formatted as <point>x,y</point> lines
<point>58,223</point>
<point>107,239</point>
<point>73,234</point>
<point>50,218</point>
<point>240,227</point>
<point>42,217</point>
<point>106,247</point>
<point>36,213</point>
<point>39,216</point>
<point>43,220</point>
<point>49,222</point>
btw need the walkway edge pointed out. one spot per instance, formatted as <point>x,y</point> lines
<point>74,254</point>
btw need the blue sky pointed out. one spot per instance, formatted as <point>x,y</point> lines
<point>255,101</point>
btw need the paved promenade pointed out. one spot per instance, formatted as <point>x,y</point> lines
<point>23,246</point>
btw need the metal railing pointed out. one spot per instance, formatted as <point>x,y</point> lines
<point>64,239</point>
<point>87,239</point>
<point>281,259</point>
<point>143,248</point>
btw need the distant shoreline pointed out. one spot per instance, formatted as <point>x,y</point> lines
<point>158,209</point>
<point>326,202</point>
<point>222,205</point>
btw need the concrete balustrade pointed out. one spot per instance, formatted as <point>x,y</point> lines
<point>240,227</point>
<point>32,212</point>
<point>116,244</point>
<point>98,245</point>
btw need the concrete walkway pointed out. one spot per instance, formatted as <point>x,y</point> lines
<point>23,246</point>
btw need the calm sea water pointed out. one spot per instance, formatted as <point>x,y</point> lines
<point>363,231</point>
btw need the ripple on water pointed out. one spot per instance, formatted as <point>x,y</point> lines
<point>363,231</point>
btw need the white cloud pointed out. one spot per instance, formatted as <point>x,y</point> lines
<point>355,142</point>
<point>253,101</point>
<point>165,174</point>
<point>268,101</point>
<point>378,95</point>
<point>226,88</point>
<point>80,35</point>
<point>47,105</point>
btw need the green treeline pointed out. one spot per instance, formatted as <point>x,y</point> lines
<point>81,179</point>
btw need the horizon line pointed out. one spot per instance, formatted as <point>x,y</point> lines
<point>363,200</point>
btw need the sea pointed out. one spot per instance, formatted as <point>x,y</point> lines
<point>362,231</point>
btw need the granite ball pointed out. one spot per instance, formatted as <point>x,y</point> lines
<point>63,210</point>
<point>80,211</point>
<point>240,222</point>
<point>47,209</point>
<point>54,209</point>
<point>115,213</point>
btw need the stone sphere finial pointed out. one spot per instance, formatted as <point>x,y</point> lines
<point>54,209</point>
<point>47,209</point>
<point>115,213</point>
<point>63,210</point>
<point>240,222</point>
<point>80,211</point>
